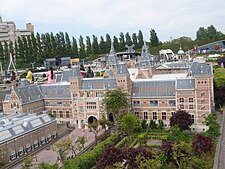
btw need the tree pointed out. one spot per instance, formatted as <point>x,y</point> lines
<point>182,119</point>
<point>214,129</point>
<point>95,46</point>
<point>82,53</point>
<point>116,44</point>
<point>129,122</point>
<point>102,45</point>
<point>68,45</point>
<point>74,48</point>
<point>48,166</point>
<point>134,39</point>
<point>104,122</point>
<point>201,34</point>
<point>88,46</point>
<point>128,39</point>
<point>202,144</point>
<point>152,124</point>
<point>94,128</point>
<point>154,38</point>
<point>115,102</point>
<point>108,42</point>
<point>121,42</point>
<point>27,162</point>
<point>81,140</point>
<point>140,39</point>
<point>63,148</point>
<point>144,124</point>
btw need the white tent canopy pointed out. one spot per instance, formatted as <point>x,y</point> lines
<point>214,56</point>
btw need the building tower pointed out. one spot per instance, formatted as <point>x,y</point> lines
<point>112,60</point>
<point>145,60</point>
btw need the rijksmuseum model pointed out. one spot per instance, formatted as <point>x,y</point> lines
<point>156,91</point>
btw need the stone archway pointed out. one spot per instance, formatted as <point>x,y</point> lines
<point>92,120</point>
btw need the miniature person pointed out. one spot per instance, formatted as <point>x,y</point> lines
<point>51,76</point>
<point>29,75</point>
<point>82,71</point>
<point>90,72</point>
<point>13,77</point>
<point>219,61</point>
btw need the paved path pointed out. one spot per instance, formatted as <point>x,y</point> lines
<point>50,156</point>
<point>219,160</point>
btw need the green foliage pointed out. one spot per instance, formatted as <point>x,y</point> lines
<point>122,142</point>
<point>115,101</point>
<point>214,129</point>
<point>177,135</point>
<point>144,124</point>
<point>48,166</point>
<point>154,40</point>
<point>81,140</point>
<point>160,124</point>
<point>142,137</point>
<point>88,159</point>
<point>128,123</point>
<point>133,143</point>
<point>27,162</point>
<point>152,124</point>
<point>219,77</point>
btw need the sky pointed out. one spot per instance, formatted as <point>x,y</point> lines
<point>169,18</point>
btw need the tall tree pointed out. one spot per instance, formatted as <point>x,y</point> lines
<point>116,44</point>
<point>40,52</point>
<point>82,53</point>
<point>34,47</point>
<point>122,42</point>
<point>128,39</point>
<point>88,46</point>
<point>201,34</point>
<point>108,42</point>
<point>68,45</point>
<point>6,53</point>
<point>102,45</point>
<point>154,38</point>
<point>2,56</point>
<point>95,46</point>
<point>53,45</point>
<point>140,39</point>
<point>134,39</point>
<point>74,48</point>
<point>129,122</point>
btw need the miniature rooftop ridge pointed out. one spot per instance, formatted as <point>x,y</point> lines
<point>145,59</point>
<point>122,69</point>
<point>112,58</point>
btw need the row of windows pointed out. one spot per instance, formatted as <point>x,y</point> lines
<point>62,114</point>
<point>155,103</point>
<point>58,103</point>
<point>202,82</point>
<point>121,80</point>
<point>155,115</point>
<point>190,100</point>
<point>191,106</point>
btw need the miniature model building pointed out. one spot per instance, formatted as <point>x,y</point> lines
<point>157,92</point>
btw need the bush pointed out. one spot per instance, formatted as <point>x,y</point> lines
<point>202,144</point>
<point>122,142</point>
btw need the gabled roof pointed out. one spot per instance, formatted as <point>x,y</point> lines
<point>145,59</point>
<point>56,90</point>
<point>185,84</point>
<point>98,83</point>
<point>153,89</point>
<point>67,73</point>
<point>201,69</point>
<point>122,70</point>
<point>112,58</point>
<point>28,93</point>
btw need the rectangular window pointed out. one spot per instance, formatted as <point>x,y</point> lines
<point>136,114</point>
<point>145,115</point>
<point>61,114</point>
<point>181,106</point>
<point>172,113</point>
<point>191,100</point>
<point>136,103</point>
<point>181,100</point>
<point>54,113</point>
<point>154,103</point>
<point>91,105</point>
<point>67,114</point>
<point>172,103</point>
<point>192,118</point>
<point>191,106</point>
<point>88,94</point>
<point>59,103</point>
<point>154,114</point>
<point>47,103</point>
<point>163,115</point>
<point>35,144</point>
<point>13,155</point>
<point>20,152</point>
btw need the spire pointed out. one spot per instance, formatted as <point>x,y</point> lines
<point>145,59</point>
<point>112,58</point>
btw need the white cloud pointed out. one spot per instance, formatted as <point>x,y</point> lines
<point>169,18</point>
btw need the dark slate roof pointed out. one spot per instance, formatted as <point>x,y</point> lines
<point>28,93</point>
<point>185,84</point>
<point>145,59</point>
<point>112,58</point>
<point>201,69</point>
<point>67,73</point>
<point>110,73</point>
<point>153,88</point>
<point>56,90</point>
<point>177,65</point>
<point>98,83</point>
<point>16,125</point>
<point>122,70</point>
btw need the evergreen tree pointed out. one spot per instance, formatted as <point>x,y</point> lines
<point>35,47</point>
<point>74,48</point>
<point>82,53</point>
<point>140,39</point>
<point>30,56</point>
<point>102,45</point>
<point>95,46</point>
<point>21,54</point>
<point>53,45</point>
<point>88,46</point>
<point>2,56</point>
<point>68,45</point>
<point>122,42</point>
<point>26,58</point>
<point>108,42</point>
<point>16,51</point>
<point>154,38</point>
<point>116,44</point>
<point>39,48</point>
<point>134,39</point>
<point>201,34</point>
<point>63,44</point>
<point>128,39</point>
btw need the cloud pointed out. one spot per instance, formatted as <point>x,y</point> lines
<point>169,18</point>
